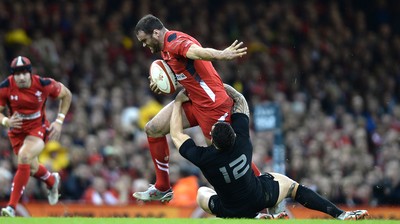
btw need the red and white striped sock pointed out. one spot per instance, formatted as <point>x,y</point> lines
<point>21,179</point>
<point>44,175</point>
<point>160,154</point>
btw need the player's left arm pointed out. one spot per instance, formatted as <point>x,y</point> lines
<point>65,98</point>
<point>176,126</point>
<point>196,52</point>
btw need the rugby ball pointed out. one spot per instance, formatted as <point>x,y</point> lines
<point>163,76</point>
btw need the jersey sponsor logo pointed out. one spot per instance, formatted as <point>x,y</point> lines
<point>40,133</point>
<point>28,116</point>
<point>180,76</point>
<point>14,97</point>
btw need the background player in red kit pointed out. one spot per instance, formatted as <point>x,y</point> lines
<point>25,95</point>
<point>208,103</point>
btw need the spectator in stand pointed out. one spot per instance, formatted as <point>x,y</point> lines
<point>99,194</point>
<point>185,187</point>
<point>387,191</point>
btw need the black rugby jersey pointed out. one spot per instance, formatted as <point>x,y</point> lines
<point>230,172</point>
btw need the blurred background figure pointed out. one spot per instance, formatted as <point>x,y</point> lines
<point>184,184</point>
<point>99,193</point>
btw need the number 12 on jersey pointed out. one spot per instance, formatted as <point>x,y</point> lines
<point>237,168</point>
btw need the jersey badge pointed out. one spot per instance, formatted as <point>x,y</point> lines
<point>38,94</point>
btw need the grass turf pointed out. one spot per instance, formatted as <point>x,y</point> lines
<point>80,220</point>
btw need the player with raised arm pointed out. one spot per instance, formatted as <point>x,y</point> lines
<point>25,95</point>
<point>237,192</point>
<point>194,71</point>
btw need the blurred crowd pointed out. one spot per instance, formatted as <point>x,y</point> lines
<point>332,67</point>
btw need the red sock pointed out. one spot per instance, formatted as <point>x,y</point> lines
<point>160,154</point>
<point>255,169</point>
<point>44,175</point>
<point>21,178</point>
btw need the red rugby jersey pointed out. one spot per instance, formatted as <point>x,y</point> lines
<point>199,77</point>
<point>29,102</point>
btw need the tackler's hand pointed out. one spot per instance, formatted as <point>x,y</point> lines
<point>182,96</point>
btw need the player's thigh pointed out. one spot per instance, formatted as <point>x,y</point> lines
<point>287,186</point>
<point>159,125</point>
<point>16,141</point>
<point>208,117</point>
<point>30,149</point>
<point>203,198</point>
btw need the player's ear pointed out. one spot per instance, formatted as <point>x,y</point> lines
<point>156,33</point>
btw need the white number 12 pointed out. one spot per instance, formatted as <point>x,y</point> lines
<point>237,171</point>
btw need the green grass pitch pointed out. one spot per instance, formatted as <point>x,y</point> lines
<point>79,220</point>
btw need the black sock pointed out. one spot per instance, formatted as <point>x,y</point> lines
<point>312,200</point>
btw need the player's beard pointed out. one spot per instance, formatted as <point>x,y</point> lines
<point>22,84</point>
<point>155,49</point>
<point>154,46</point>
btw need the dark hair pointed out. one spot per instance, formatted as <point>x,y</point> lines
<point>223,136</point>
<point>148,24</point>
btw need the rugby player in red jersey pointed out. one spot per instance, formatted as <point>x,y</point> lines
<point>208,103</point>
<point>25,95</point>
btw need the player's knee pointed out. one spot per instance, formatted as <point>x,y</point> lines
<point>24,159</point>
<point>156,128</point>
<point>203,196</point>
<point>151,129</point>
<point>200,194</point>
<point>287,186</point>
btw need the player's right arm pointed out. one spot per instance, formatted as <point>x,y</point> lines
<point>197,52</point>
<point>240,104</point>
<point>176,125</point>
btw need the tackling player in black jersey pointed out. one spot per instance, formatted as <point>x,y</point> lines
<point>226,164</point>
